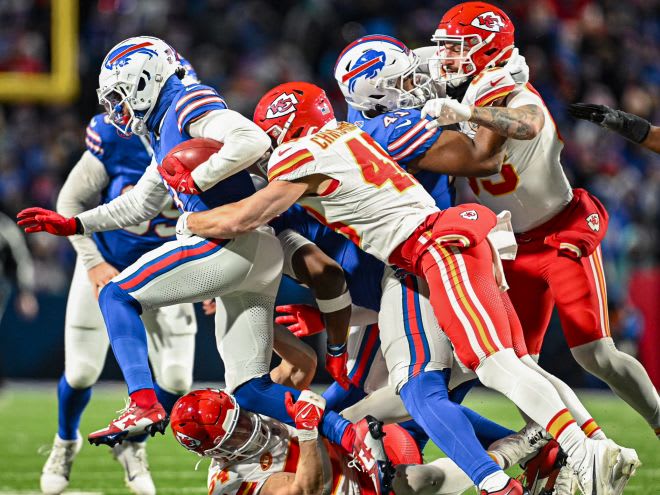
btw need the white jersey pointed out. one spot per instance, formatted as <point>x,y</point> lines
<point>281,456</point>
<point>532,184</point>
<point>371,200</point>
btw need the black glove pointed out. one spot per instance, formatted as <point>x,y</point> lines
<point>628,125</point>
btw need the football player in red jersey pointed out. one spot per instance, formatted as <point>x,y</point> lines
<point>346,181</point>
<point>558,228</point>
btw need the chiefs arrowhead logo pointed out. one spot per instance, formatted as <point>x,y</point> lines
<point>186,441</point>
<point>284,104</point>
<point>489,21</point>
<point>469,215</point>
<point>593,221</point>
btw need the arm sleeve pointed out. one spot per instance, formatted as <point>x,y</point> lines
<point>143,202</point>
<point>523,97</point>
<point>19,252</point>
<point>244,142</point>
<point>80,192</point>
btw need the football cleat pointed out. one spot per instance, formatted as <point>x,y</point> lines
<point>132,421</point>
<point>519,447</point>
<point>369,454</point>
<point>542,470</point>
<point>625,468</point>
<point>56,471</point>
<point>133,458</point>
<point>595,471</point>
<point>565,484</point>
<point>513,487</point>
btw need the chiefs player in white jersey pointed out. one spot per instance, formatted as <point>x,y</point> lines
<point>349,183</point>
<point>558,228</point>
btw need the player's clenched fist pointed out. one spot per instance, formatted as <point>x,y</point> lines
<point>42,220</point>
<point>178,177</point>
<point>335,363</point>
<point>307,412</point>
<point>300,319</point>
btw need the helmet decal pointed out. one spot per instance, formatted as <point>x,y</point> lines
<point>284,104</point>
<point>488,21</point>
<point>120,56</point>
<point>188,442</point>
<point>368,65</point>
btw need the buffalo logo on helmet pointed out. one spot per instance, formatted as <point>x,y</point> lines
<point>368,66</point>
<point>593,221</point>
<point>284,104</point>
<point>490,21</point>
<point>121,56</point>
<point>188,442</point>
<point>469,215</point>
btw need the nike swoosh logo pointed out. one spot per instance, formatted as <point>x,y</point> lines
<point>494,83</point>
<point>128,472</point>
<point>593,478</point>
<point>404,123</point>
<point>280,152</point>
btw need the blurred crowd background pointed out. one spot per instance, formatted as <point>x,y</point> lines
<point>603,51</point>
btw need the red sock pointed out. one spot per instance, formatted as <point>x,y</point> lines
<point>144,398</point>
<point>348,439</point>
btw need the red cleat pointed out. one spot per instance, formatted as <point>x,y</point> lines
<point>369,454</point>
<point>541,471</point>
<point>132,422</point>
<point>513,487</point>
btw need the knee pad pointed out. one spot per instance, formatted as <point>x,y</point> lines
<point>596,357</point>
<point>113,294</point>
<point>176,379</point>
<point>80,375</point>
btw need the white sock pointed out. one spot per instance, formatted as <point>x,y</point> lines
<point>494,482</point>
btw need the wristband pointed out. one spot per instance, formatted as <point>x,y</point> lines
<point>305,435</point>
<point>634,128</point>
<point>335,304</point>
<point>336,349</point>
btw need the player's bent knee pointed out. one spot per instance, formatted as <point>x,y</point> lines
<point>113,294</point>
<point>176,379</point>
<point>597,357</point>
<point>81,375</point>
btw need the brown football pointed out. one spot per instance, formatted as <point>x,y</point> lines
<point>191,153</point>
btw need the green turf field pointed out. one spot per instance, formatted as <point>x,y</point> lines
<point>28,415</point>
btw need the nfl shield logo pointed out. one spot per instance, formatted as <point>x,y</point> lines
<point>593,221</point>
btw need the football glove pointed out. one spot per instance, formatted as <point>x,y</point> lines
<point>335,363</point>
<point>445,111</point>
<point>300,319</point>
<point>181,179</point>
<point>517,67</point>
<point>42,220</point>
<point>306,412</point>
<point>630,126</point>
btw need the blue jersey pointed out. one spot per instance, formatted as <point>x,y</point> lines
<point>403,136</point>
<point>363,272</point>
<point>187,105</point>
<point>125,159</point>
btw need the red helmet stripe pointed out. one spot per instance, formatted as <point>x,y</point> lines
<point>129,50</point>
<point>360,68</point>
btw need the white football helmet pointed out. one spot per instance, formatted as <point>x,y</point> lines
<point>371,72</point>
<point>131,77</point>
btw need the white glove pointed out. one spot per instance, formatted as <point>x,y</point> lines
<point>518,68</point>
<point>182,226</point>
<point>445,111</point>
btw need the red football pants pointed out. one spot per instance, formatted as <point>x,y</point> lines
<point>540,277</point>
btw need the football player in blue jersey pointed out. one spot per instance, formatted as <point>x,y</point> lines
<point>111,165</point>
<point>141,89</point>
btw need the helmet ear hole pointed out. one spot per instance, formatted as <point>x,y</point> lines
<point>141,84</point>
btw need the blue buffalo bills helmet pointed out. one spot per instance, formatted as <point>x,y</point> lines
<point>131,78</point>
<point>371,73</point>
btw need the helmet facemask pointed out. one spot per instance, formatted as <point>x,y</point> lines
<point>398,97</point>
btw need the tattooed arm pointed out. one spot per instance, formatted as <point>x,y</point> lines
<point>523,122</point>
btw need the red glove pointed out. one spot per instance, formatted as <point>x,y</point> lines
<point>335,363</point>
<point>302,320</point>
<point>307,412</point>
<point>180,179</point>
<point>42,220</point>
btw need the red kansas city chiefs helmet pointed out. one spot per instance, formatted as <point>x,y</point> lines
<point>472,36</point>
<point>293,110</point>
<point>210,422</point>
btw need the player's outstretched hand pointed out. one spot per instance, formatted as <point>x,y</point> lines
<point>445,111</point>
<point>306,412</point>
<point>42,220</point>
<point>335,362</point>
<point>300,319</point>
<point>517,67</point>
<point>179,177</point>
<point>630,126</point>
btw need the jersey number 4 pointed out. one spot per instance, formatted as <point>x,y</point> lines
<point>377,166</point>
<point>506,185</point>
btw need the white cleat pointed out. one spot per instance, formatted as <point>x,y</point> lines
<point>56,471</point>
<point>520,447</point>
<point>625,468</point>
<point>133,458</point>
<point>595,472</point>
<point>566,482</point>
